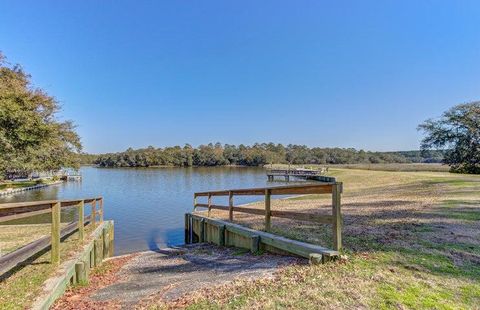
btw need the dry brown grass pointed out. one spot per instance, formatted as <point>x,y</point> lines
<point>13,237</point>
<point>412,240</point>
<point>20,289</point>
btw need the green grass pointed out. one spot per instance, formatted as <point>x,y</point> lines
<point>17,184</point>
<point>411,239</point>
<point>20,289</point>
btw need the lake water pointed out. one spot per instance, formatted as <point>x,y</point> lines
<point>148,204</point>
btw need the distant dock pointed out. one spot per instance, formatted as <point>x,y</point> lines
<point>307,174</point>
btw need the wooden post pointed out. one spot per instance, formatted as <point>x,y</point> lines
<point>315,259</point>
<point>187,228</point>
<point>112,239</point>
<point>209,204</point>
<point>106,242</point>
<point>55,233</point>
<point>194,202</point>
<point>81,220</point>
<point>221,235</point>
<point>100,206</point>
<point>202,231</point>
<point>230,206</point>
<point>255,244</point>
<point>92,257</point>
<point>94,213</point>
<point>98,249</point>
<point>81,273</point>
<point>337,216</point>
<point>268,224</point>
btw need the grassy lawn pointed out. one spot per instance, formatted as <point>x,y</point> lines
<point>411,239</point>
<point>13,237</point>
<point>6,185</point>
<point>20,290</point>
<point>377,167</point>
<point>12,185</point>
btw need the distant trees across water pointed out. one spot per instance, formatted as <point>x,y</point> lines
<point>254,155</point>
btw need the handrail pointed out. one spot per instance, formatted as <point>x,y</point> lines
<point>71,202</point>
<point>294,171</point>
<point>18,210</point>
<point>334,188</point>
<point>324,188</point>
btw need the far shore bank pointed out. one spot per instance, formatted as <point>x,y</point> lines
<point>20,188</point>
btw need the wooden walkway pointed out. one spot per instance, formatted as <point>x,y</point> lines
<point>308,174</point>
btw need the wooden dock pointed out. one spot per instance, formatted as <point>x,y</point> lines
<point>227,231</point>
<point>307,174</point>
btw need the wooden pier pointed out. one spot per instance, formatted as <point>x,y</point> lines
<point>227,233</point>
<point>307,174</point>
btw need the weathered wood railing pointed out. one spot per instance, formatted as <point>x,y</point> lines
<point>335,189</point>
<point>14,211</point>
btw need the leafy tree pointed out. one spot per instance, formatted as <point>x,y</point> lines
<point>457,132</point>
<point>31,136</point>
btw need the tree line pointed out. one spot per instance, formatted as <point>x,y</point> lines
<point>252,155</point>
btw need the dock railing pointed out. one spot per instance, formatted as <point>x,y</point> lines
<point>14,211</point>
<point>335,219</point>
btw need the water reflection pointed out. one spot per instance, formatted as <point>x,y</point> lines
<point>147,204</point>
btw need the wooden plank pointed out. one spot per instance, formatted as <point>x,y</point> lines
<point>221,235</point>
<point>255,244</point>
<point>337,217</point>
<point>249,210</point>
<point>230,205</point>
<point>81,221</point>
<point>276,190</point>
<point>213,193</point>
<point>7,218</point>
<point>187,228</point>
<point>209,204</point>
<point>292,246</point>
<point>90,200</point>
<point>268,222</point>
<point>44,203</point>
<point>11,260</point>
<point>112,239</point>
<point>202,231</point>
<point>323,219</point>
<point>81,273</point>
<point>98,250</point>
<point>55,242</point>
<point>100,205</point>
<point>315,259</point>
<point>16,205</point>
<point>14,211</point>
<point>236,209</point>
<point>314,189</point>
<point>94,212</point>
<point>106,241</point>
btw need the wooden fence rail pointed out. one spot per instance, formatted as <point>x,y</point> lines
<point>13,211</point>
<point>335,189</point>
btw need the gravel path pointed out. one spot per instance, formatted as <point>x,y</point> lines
<point>171,273</point>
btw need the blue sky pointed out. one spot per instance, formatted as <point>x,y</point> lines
<point>357,74</point>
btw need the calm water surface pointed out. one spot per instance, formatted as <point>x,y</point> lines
<point>148,204</point>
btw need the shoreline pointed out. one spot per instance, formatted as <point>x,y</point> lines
<point>11,191</point>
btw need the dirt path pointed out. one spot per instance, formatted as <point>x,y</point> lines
<point>168,275</point>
